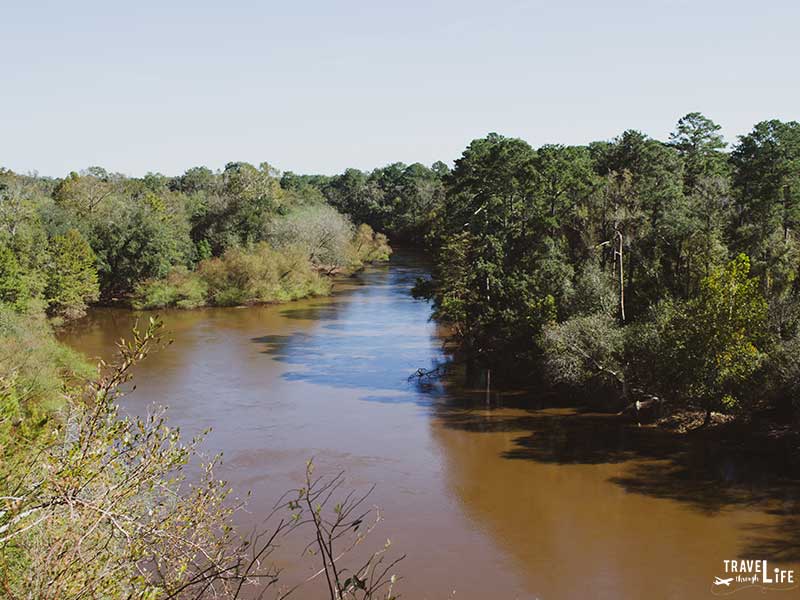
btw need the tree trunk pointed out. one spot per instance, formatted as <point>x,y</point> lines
<point>621,280</point>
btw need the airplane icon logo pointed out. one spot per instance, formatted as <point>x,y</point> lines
<point>720,581</point>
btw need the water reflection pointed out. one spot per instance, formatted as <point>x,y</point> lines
<point>620,503</point>
<point>371,338</point>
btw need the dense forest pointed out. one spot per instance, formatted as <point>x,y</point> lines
<point>634,267</point>
<point>628,272</point>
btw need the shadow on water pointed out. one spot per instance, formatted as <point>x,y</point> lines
<point>778,542</point>
<point>709,472</point>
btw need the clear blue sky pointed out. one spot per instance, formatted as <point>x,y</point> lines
<point>319,86</point>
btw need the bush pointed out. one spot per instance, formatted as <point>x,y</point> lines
<point>260,274</point>
<point>781,373</point>
<point>713,342</point>
<point>370,246</point>
<point>181,288</point>
<point>585,351</point>
<point>35,372</point>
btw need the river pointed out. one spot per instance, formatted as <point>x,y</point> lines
<point>513,499</point>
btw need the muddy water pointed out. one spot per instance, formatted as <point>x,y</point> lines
<point>500,501</point>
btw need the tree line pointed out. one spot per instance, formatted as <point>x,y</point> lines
<point>628,268</point>
<point>230,237</point>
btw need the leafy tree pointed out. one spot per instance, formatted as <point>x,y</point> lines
<point>322,233</point>
<point>699,142</point>
<point>767,193</point>
<point>237,213</point>
<point>72,277</point>
<point>644,186</point>
<point>509,277</point>
<point>397,199</point>
<point>564,179</point>
<point>134,245</point>
<point>194,180</point>
<point>767,176</point>
<point>14,288</point>
<point>354,194</point>
<point>88,191</point>
<point>714,342</point>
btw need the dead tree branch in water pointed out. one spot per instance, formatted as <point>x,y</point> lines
<point>428,374</point>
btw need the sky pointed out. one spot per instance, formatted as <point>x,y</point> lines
<point>317,87</point>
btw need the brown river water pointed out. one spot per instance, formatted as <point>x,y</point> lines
<point>514,499</point>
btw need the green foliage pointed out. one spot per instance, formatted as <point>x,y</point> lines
<point>148,234</point>
<point>72,277</point>
<point>536,250</point>
<point>97,504</point>
<point>781,373</point>
<point>368,246</point>
<point>320,232</point>
<point>13,284</point>
<point>304,245</point>
<point>133,244</point>
<point>713,342</point>
<point>767,184</point>
<point>87,192</point>
<point>35,372</point>
<point>259,275</point>
<point>233,209</point>
<point>501,272</point>
<point>180,288</point>
<point>397,199</point>
<point>699,142</point>
<point>524,240</point>
<point>585,352</point>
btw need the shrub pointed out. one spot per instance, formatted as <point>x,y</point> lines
<point>585,351</point>
<point>35,372</point>
<point>106,510</point>
<point>181,288</point>
<point>260,274</point>
<point>370,246</point>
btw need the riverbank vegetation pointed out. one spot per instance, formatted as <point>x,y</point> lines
<point>101,506</point>
<point>633,269</point>
<point>231,237</point>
